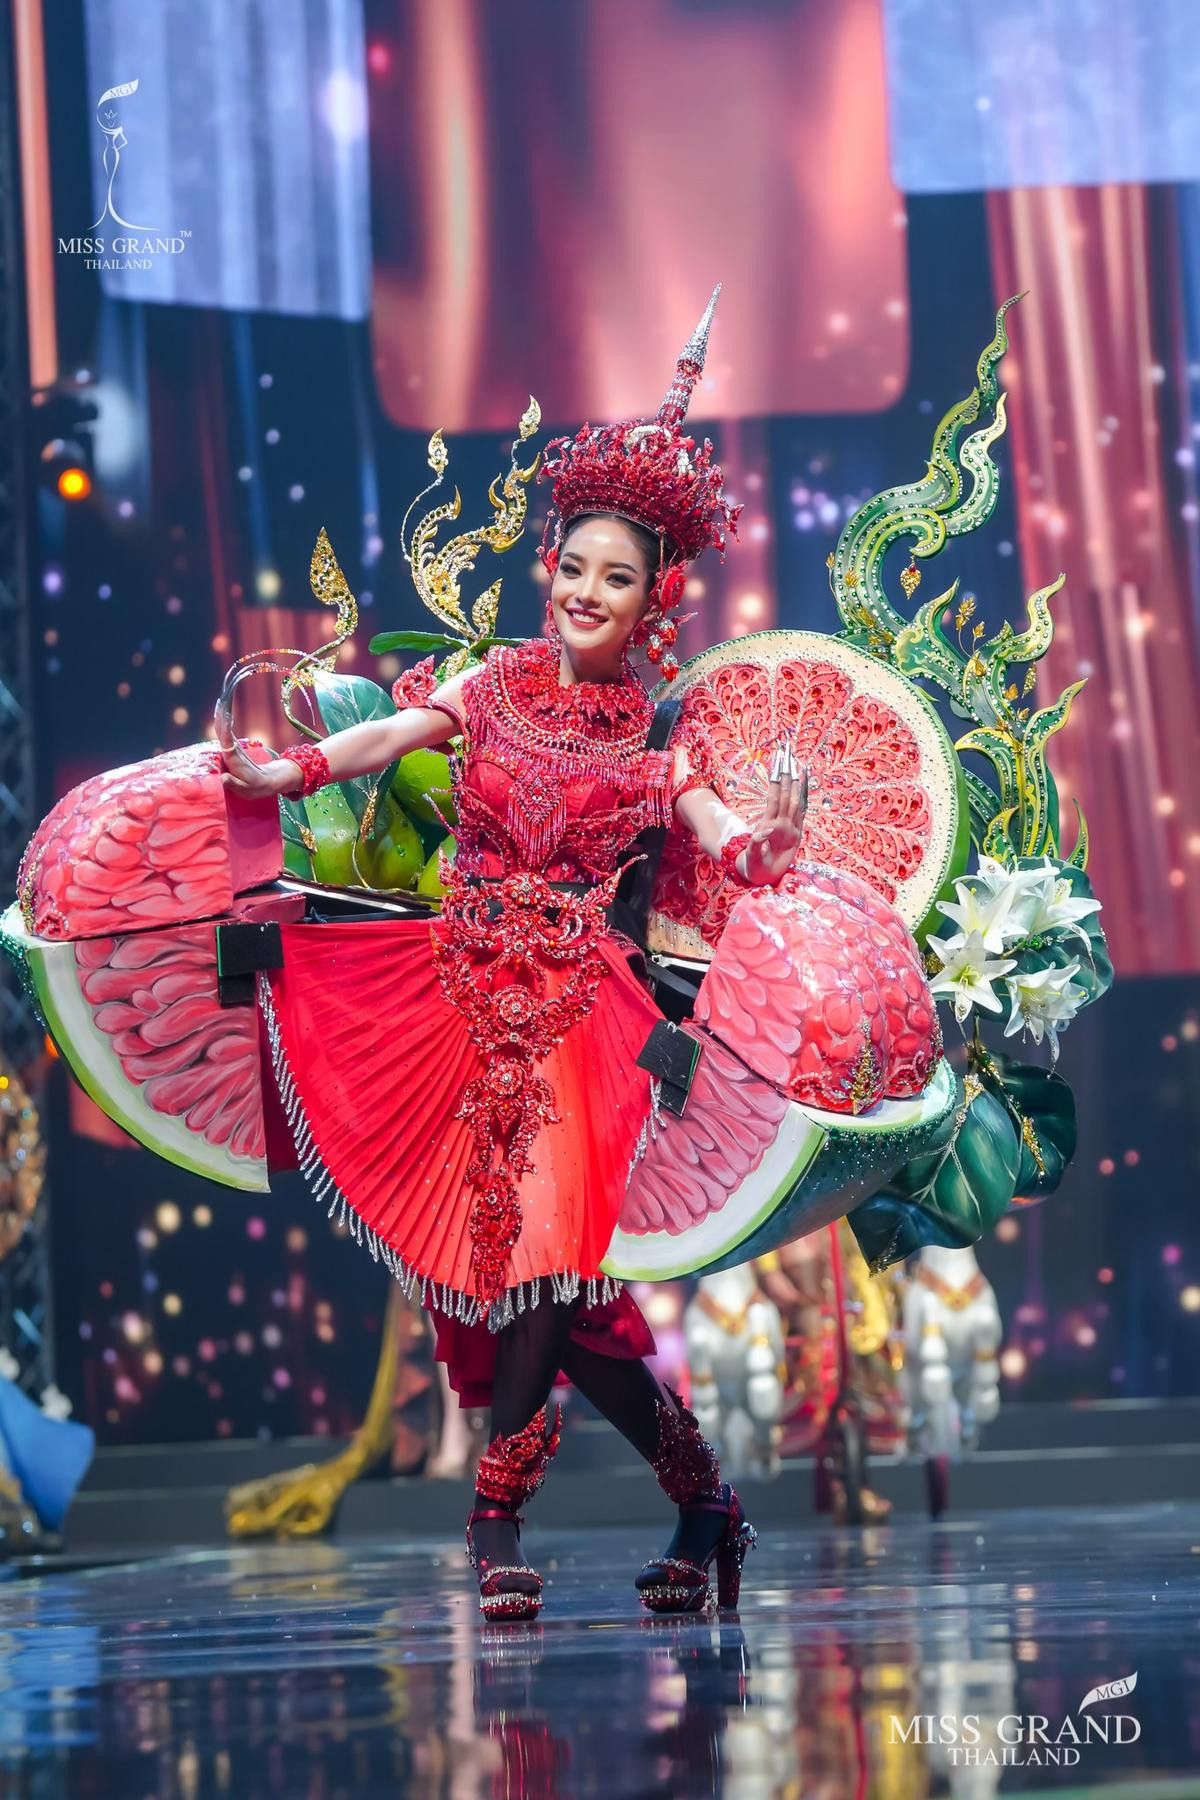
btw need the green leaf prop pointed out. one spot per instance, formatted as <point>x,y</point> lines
<point>385,642</point>
<point>1015,808</point>
<point>345,700</point>
<point>293,820</point>
<point>1042,1109</point>
<point>949,1196</point>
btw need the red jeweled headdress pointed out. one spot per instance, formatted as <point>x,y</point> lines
<point>646,470</point>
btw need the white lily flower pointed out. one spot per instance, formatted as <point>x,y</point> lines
<point>996,876</point>
<point>1040,899</point>
<point>983,909</point>
<point>1044,1003</point>
<point>1021,887</point>
<point>967,973</point>
<point>1052,907</point>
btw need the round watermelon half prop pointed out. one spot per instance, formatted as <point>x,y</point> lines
<point>887,796</point>
<point>744,1169</point>
<point>138,1020</point>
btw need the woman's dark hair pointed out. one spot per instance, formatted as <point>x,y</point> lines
<point>652,547</point>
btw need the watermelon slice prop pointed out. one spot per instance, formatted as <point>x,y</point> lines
<point>887,793</point>
<point>193,1092</point>
<point>744,1169</point>
<point>114,937</point>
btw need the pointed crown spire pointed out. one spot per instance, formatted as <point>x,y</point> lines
<point>646,469</point>
<point>688,370</point>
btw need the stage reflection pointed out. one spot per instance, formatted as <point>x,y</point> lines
<point>902,1661</point>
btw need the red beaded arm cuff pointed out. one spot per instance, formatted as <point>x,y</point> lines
<point>313,764</point>
<point>415,688</point>
<point>693,779</point>
<point>693,748</point>
<point>730,851</point>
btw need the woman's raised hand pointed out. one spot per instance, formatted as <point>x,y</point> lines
<point>775,840</point>
<point>277,776</point>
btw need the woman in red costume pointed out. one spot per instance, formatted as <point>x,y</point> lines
<point>512,1024</point>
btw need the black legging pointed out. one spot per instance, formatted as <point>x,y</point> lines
<point>537,1344</point>
<point>529,1353</point>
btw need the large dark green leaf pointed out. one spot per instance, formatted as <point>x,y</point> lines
<point>385,641</point>
<point>1095,965</point>
<point>1027,1091</point>
<point>345,700</point>
<point>949,1196</point>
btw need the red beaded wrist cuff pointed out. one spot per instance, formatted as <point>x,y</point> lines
<point>730,851</point>
<point>313,764</point>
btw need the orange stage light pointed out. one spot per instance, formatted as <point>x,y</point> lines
<point>74,484</point>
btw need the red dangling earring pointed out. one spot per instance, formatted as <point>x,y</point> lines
<point>666,593</point>
<point>670,586</point>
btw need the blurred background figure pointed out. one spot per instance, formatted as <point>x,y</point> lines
<point>842,1360</point>
<point>735,1352</point>
<point>952,1336</point>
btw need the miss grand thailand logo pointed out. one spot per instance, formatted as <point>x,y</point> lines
<point>130,246</point>
<point>971,1740</point>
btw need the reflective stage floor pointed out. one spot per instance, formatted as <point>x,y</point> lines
<point>319,1670</point>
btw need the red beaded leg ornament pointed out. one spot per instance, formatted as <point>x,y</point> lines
<point>689,1474</point>
<point>511,1470</point>
<point>312,763</point>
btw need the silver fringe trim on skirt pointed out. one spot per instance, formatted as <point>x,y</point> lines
<point>563,1285</point>
<point>652,1125</point>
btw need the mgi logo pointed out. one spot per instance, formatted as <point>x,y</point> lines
<point>1023,1739</point>
<point>132,246</point>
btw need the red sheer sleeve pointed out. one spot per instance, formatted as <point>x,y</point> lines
<point>694,765</point>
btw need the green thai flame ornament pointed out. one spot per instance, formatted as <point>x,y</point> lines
<point>1016,813</point>
<point>1014,1134</point>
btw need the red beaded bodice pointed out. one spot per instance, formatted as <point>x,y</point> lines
<point>555,778</point>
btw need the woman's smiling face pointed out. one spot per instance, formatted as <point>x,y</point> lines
<point>601,587</point>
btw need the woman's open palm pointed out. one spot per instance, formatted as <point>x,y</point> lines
<point>775,840</point>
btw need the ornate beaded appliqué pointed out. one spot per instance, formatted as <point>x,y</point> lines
<point>494,971</point>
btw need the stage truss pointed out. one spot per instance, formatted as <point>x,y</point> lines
<point>25,1326</point>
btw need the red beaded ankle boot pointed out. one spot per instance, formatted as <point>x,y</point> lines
<point>690,1475</point>
<point>510,1471</point>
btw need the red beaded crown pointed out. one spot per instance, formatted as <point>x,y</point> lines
<point>646,470</point>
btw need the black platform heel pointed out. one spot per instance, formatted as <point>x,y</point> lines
<point>689,1474</point>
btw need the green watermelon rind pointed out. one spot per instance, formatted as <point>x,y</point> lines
<point>627,1250</point>
<point>96,1067</point>
<point>843,1170</point>
<point>826,1144</point>
<point>837,650</point>
<point>956,862</point>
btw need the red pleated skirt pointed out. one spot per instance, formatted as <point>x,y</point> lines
<point>372,1061</point>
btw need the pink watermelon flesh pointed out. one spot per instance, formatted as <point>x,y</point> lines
<point>820,988</point>
<point>731,1120</point>
<point>883,776</point>
<point>155,843</point>
<point>138,1018</point>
